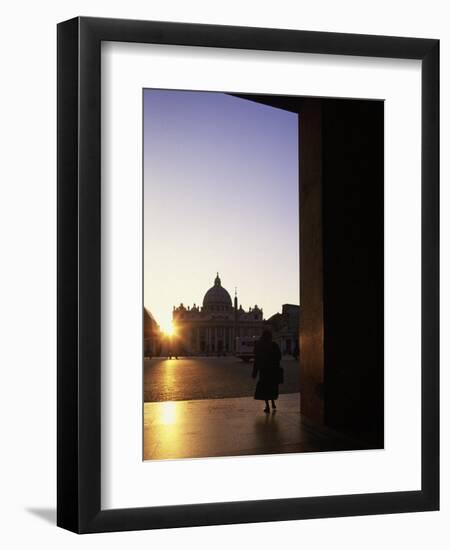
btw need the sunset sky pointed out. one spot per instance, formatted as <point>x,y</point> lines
<point>220,194</point>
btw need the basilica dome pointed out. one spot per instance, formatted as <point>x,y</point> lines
<point>217,297</point>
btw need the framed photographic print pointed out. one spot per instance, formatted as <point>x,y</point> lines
<point>248,305</point>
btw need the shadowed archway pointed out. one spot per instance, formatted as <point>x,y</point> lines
<point>341,178</point>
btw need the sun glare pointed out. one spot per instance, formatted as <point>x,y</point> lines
<point>169,330</point>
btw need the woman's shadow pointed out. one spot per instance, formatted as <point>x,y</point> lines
<point>268,433</point>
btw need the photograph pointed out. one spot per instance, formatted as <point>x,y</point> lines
<point>247,274</point>
<point>228,348</point>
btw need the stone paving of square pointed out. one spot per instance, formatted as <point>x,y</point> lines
<point>189,378</point>
<point>231,427</point>
<point>200,407</point>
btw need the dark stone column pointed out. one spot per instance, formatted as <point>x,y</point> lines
<point>311,264</point>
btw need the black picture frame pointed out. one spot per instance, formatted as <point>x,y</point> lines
<point>79,280</point>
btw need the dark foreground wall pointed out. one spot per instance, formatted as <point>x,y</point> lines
<point>353,266</point>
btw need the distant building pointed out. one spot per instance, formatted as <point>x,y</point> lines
<point>213,328</point>
<point>285,328</point>
<point>152,335</point>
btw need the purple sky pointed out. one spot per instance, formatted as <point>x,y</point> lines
<point>220,194</point>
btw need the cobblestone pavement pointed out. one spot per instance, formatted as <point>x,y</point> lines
<point>207,378</point>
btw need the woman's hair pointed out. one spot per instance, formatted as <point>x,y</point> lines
<point>266,336</point>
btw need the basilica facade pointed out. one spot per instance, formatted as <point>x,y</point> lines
<point>212,329</point>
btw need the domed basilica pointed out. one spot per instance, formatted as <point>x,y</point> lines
<point>214,327</point>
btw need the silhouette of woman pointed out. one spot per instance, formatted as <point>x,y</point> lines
<point>267,363</point>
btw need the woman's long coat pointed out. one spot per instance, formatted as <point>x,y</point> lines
<point>267,364</point>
